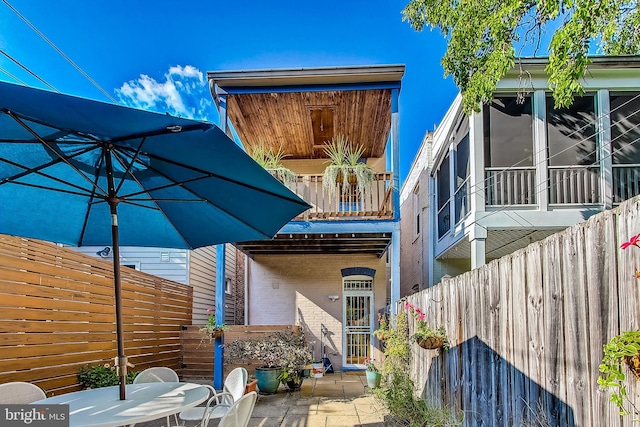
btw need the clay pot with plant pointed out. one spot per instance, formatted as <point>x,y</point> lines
<point>281,356</point>
<point>425,336</point>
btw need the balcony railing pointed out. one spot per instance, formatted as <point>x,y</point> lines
<point>513,186</point>
<point>626,182</point>
<point>574,185</point>
<point>376,204</point>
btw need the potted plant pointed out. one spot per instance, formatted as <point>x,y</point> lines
<point>345,167</point>
<point>425,336</point>
<point>211,330</point>
<point>373,373</point>
<point>622,349</point>
<point>275,352</point>
<point>271,160</point>
<point>297,356</point>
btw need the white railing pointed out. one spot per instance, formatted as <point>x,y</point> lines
<point>513,186</point>
<point>376,203</point>
<point>626,182</point>
<point>574,185</point>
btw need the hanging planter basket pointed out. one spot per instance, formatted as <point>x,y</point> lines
<point>217,333</point>
<point>430,343</point>
<point>633,362</point>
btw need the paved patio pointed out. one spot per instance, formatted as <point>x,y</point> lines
<point>335,400</point>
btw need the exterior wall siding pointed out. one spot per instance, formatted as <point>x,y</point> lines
<point>288,289</point>
<point>149,260</point>
<point>203,280</point>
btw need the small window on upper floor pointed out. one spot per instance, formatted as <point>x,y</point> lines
<point>227,286</point>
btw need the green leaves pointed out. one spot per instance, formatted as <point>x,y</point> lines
<point>622,346</point>
<point>482,35</point>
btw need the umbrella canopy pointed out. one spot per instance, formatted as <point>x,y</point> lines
<point>83,172</point>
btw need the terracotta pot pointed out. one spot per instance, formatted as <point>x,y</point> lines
<point>633,362</point>
<point>251,386</point>
<point>430,343</point>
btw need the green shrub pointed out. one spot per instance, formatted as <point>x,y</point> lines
<point>398,391</point>
<point>101,376</point>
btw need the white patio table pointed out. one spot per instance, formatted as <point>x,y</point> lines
<point>145,402</point>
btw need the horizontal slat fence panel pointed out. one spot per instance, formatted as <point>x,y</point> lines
<point>57,314</point>
<point>197,354</point>
<point>527,330</point>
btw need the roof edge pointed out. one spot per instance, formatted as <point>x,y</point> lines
<point>317,75</point>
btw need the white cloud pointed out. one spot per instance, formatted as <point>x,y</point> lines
<point>183,93</point>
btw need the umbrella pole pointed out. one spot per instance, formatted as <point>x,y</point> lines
<point>121,360</point>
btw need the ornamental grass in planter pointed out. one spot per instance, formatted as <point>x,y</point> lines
<point>345,167</point>
<point>271,160</point>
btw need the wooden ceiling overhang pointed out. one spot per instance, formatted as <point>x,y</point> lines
<point>301,109</point>
<point>325,243</point>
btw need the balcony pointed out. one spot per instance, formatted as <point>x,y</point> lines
<point>345,205</point>
<point>567,185</point>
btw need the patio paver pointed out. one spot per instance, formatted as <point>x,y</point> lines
<point>335,400</point>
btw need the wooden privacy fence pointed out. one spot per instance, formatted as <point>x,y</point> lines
<point>527,330</point>
<point>197,355</point>
<point>57,314</point>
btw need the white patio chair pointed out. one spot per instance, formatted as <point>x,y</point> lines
<point>20,393</point>
<point>158,374</point>
<point>240,412</point>
<point>220,402</point>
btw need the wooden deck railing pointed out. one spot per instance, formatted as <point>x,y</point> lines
<point>376,203</point>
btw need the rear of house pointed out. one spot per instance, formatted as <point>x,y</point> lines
<point>333,267</point>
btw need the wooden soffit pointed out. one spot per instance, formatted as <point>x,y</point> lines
<point>291,109</point>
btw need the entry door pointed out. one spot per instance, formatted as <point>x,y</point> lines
<point>358,323</point>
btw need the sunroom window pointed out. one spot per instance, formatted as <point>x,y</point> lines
<point>625,144</point>
<point>442,182</point>
<point>572,152</point>
<point>508,151</point>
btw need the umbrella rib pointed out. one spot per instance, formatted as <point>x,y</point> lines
<point>130,165</point>
<point>92,196</point>
<point>28,171</point>
<point>164,131</point>
<point>47,144</point>
<point>58,190</point>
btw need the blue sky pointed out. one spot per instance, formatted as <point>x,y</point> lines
<point>155,54</point>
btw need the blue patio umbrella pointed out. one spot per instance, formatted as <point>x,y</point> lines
<point>83,172</point>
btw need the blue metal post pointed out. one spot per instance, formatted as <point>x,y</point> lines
<point>220,293</point>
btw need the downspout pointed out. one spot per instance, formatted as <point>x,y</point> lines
<point>395,235</point>
<point>246,290</point>
<point>220,295</point>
